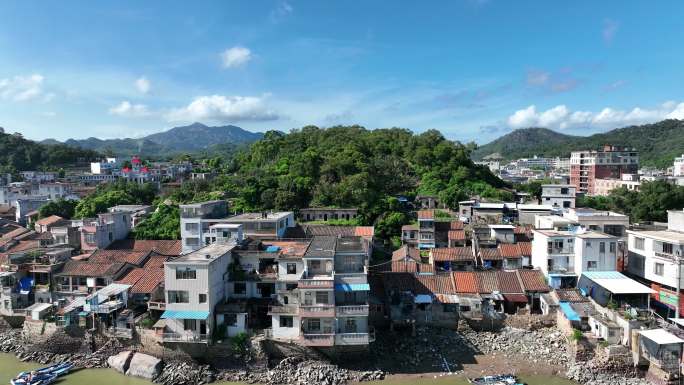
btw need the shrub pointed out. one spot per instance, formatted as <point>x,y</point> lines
<point>576,335</point>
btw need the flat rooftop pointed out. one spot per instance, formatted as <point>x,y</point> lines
<point>206,254</point>
<point>663,235</point>
<point>256,217</point>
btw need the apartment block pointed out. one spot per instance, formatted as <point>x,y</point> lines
<point>655,257</point>
<point>678,166</point>
<point>610,162</point>
<point>104,230</point>
<point>564,255</point>
<point>558,195</point>
<point>426,229</point>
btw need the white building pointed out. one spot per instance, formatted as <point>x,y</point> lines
<point>656,256</point>
<point>608,222</point>
<point>194,284</point>
<point>558,195</point>
<point>106,166</point>
<point>678,169</point>
<point>564,255</point>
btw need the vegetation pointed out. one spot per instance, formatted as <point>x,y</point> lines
<point>64,208</point>
<point>648,139</point>
<point>346,166</point>
<point>576,335</point>
<point>650,203</point>
<point>119,193</point>
<point>17,153</point>
<point>164,223</point>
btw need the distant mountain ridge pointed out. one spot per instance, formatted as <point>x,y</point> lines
<point>184,139</point>
<point>658,143</point>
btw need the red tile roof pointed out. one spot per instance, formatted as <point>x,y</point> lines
<point>412,267</point>
<point>426,214</point>
<point>533,280</point>
<point>510,250</point>
<point>406,253</point>
<point>490,254</point>
<point>144,281</point>
<point>486,281</point>
<point>136,258</point>
<point>90,269</point>
<point>47,221</point>
<point>450,254</point>
<point>525,248</point>
<point>465,282</point>
<point>165,247</point>
<point>156,260</point>
<point>437,284</point>
<point>457,235</point>
<point>456,225</point>
<point>364,231</point>
<point>508,282</point>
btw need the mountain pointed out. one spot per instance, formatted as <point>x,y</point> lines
<point>658,143</point>
<point>185,139</point>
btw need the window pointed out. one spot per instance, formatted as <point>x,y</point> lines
<point>230,319</point>
<point>202,298</point>
<point>612,247</point>
<point>291,268</point>
<point>639,243</point>
<point>90,238</point>
<point>602,247</point>
<point>290,286</point>
<point>667,248</point>
<point>189,324</point>
<point>192,227</point>
<point>314,325</point>
<point>566,204</point>
<point>350,325</point>
<point>316,264</point>
<point>286,321</point>
<point>192,241</point>
<point>321,297</point>
<point>591,265</point>
<point>240,288</point>
<point>564,190</point>
<point>186,273</point>
<point>450,308</point>
<point>178,296</point>
<point>658,268</point>
<point>588,244</point>
<point>464,308</point>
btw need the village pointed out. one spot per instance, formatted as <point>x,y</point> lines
<point>583,291</point>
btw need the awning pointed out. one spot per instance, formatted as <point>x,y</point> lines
<point>447,298</point>
<point>519,298</point>
<point>352,287</point>
<point>617,283</point>
<point>423,298</point>
<point>185,314</point>
<point>569,312</point>
<point>661,336</point>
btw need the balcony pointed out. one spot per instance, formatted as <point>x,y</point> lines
<point>351,310</point>
<point>185,337</point>
<point>283,309</point>
<point>320,340</point>
<point>354,338</point>
<point>316,282</point>
<point>156,305</point>
<point>316,311</point>
<point>105,307</point>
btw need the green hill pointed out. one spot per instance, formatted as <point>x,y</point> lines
<point>19,154</point>
<point>658,143</point>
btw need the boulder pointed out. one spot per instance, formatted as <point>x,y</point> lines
<point>144,366</point>
<point>120,362</point>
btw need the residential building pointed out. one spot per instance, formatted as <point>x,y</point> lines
<point>655,257</point>
<point>327,213</point>
<point>410,235</point>
<point>604,187</point>
<point>678,169</point>
<point>38,176</point>
<point>426,229</point>
<point>564,255</point>
<point>24,206</point>
<point>105,166</point>
<point>138,212</point>
<point>608,222</point>
<point>194,284</point>
<point>265,225</point>
<point>104,230</point>
<point>610,162</point>
<point>558,195</point>
<point>528,212</point>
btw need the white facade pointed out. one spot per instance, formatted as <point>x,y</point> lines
<point>678,169</point>
<point>558,195</point>
<point>604,221</point>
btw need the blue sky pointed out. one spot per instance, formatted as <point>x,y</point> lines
<point>474,69</point>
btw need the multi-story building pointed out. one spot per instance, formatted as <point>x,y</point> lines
<point>558,195</point>
<point>328,305</point>
<point>105,166</point>
<point>327,213</point>
<point>655,257</point>
<point>564,255</point>
<point>678,169</point>
<point>426,229</point>
<point>104,230</point>
<point>194,284</point>
<point>197,218</point>
<point>608,163</point>
<point>608,222</point>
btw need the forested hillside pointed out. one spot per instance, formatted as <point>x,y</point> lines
<point>18,154</point>
<point>658,143</point>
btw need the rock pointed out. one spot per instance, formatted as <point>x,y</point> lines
<point>144,366</point>
<point>120,362</point>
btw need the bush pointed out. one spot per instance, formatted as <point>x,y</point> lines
<point>576,335</point>
<point>239,343</point>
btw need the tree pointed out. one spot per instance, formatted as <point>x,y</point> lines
<point>164,223</point>
<point>64,208</point>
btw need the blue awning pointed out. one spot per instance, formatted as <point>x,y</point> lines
<point>352,287</point>
<point>25,285</point>
<point>272,249</point>
<point>185,314</point>
<point>569,312</point>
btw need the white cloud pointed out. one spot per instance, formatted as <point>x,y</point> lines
<point>236,57</point>
<point>224,109</point>
<point>538,78</point>
<point>560,117</point>
<point>143,85</point>
<point>129,110</point>
<point>23,88</point>
<point>282,10</point>
<point>610,28</point>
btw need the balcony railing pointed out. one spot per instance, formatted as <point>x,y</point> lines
<point>105,307</point>
<point>185,337</point>
<point>316,283</point>
<point>351,310</point>
<point>315,311</point>
<point>318,339</point>
<point>353,338</point>
<point>283,309</point>
<point>156,305</point>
